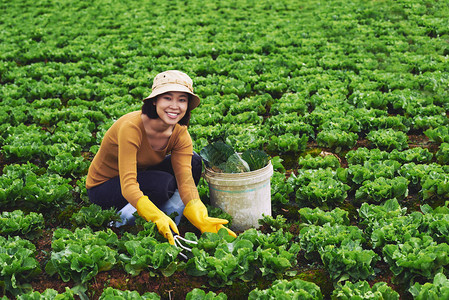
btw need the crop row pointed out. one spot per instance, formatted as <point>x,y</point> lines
<point>335,125</point>
<point>412,244</point>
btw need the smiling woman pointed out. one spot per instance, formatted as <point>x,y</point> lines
<point>148,154</point>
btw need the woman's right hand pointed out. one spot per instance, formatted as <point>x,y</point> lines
<point>196,212</point>
<point>147,210</point>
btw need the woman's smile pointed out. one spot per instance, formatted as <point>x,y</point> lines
<point>172,115</point>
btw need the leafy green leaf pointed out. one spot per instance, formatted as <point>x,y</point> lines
<point>256,159</point>
<point>235,164</point>
<point>216,153</point>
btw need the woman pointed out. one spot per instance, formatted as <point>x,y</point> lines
<point>133,171</point>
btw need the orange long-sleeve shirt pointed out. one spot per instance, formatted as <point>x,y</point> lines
<point>125,150</point>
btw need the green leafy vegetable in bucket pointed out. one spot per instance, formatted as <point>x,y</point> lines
<point>221,157</point>
<point>215,155</point>
<point>256,159</point>
<point>235,164</point>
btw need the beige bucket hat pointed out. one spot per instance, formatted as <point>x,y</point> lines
<point>173,81</point>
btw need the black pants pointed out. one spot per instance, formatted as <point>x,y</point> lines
<point>158,183</point>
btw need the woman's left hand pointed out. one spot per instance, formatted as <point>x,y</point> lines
<point>196,212</point>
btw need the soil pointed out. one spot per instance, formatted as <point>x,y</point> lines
<point>2,163</point>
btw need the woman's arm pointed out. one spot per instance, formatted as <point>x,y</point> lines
<point>129,140</point>
<point>181,158</point>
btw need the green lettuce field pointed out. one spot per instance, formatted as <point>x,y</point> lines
<point>349,98</point>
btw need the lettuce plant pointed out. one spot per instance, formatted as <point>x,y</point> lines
<point>94,216</point>
<point>112,293</point>
<point>144,252</point>
<point>396,230</point>
<point>214,113</point>
<point>416,256</point>
<point>388,139</point>
<point>211,132</point>
<point>418,173</point>
<point>368,99</point>
<point>314,238</point>
<point>291,123</point>
<point>416,155</point>
<point>29,142</point>
<point>382,189</point>
<point>362,290</point>
<point>255,103</point>
<point>225,259</point>
<point>429,122</point>
<point>336,139</point>
<point>439,134</point>
<point>17,223</point>
<point>281,188</point>
<point>245,136</point>
<point>435,185</point>
<point>25,142</point>
<point>28,186</point>
<point>199,294</point>
<point>363,154</point>
<point>290,102</point>
<point>288,143</point>
<point>247,117</point>
<point>343,123</point>
<point>438,289</point>
<point>65,164</point>
<point>348,261</point>
<point>283,289</point>
<point>17,264</point>
<point>320,188</point>
<point>319,217</point>
<point>325,193</point>
<point>365,117</point>
<point>372,213</point>
<point>318,162</point>
<point>370,170</point>
<point>68,294</point>
<point>274,223</point>
<point>398,122</point>
<point>78,130</point>
<point>81,254</point>
<point>442,154</point>
<point>389,223</point>
<point>321,115</point>
<point>436,222</point>
<point>276,161</point>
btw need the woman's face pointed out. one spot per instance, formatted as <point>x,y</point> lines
<point>171,107</point>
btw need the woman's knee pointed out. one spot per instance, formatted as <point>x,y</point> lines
<point>159,186</point>
<point>107,195</point>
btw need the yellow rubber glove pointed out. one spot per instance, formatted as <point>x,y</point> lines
<point>196,212</point>
<point>147,210</point>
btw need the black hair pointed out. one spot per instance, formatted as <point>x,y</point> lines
<point>149,109</point>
